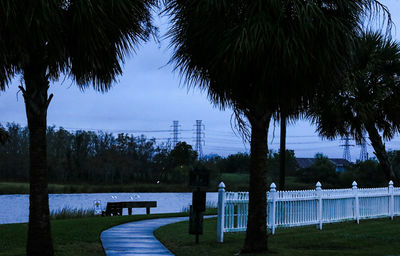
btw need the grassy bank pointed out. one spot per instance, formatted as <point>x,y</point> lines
<point>77,237</point>
<point>23,188</point>
<point>233,182</point>
<point>240,182</point>
<point>369,238</point>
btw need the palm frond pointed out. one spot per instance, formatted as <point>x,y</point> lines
<point>101,34</point>
<point>87,40</point>
<point>369,95</point>
<point>264,51</point>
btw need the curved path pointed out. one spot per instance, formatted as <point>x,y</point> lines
<point>136,238</point>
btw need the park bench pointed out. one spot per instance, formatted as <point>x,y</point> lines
<point>115,208</point>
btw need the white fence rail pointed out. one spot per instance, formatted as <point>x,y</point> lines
<point>308,207</point>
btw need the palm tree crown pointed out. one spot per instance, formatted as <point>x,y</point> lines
<point>269,46</point>
<point>368,103</point>
<point>83,39</point>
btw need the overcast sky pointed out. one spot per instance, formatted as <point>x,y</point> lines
<point>149,96</point>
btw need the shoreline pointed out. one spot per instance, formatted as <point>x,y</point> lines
<point>22,188</point>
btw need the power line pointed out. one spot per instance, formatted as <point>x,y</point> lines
<point>226,133</point>
<point>225,141</point>
<point>113,130</point>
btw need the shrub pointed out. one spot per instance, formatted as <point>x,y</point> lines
<point>321,170</point>
<point>70,213</point>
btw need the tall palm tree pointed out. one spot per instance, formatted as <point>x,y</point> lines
<point>369,101</point>
<point>44,39</point>
<point>254,56</point>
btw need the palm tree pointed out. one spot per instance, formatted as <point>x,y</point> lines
<point>369,101</point>
<point>254,56</point>
<point>44,39</point>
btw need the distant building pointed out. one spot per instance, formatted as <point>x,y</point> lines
<point>339,163</point>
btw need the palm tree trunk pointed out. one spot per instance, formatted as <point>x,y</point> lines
<point>3,136</point>
<point>380,152</point>
<point>256,234</point>
<point>282,153</point>
<point>36,104</point>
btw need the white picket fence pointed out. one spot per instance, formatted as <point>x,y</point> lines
<point>308,207</point>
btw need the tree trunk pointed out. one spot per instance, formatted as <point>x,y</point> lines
<point>3,136</point>
<point>380,152</point>
<point>256,234</point>
<point>36,103</point>
<point>282,153</point>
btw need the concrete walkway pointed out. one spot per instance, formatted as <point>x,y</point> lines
<point>136,238</point>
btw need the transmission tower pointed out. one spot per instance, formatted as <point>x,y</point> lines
<point>346,148</point>
<point>363,151</point>
<point>175,133</point>
<point>199,127</point>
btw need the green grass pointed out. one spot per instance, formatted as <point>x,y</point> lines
<point>72,237</point>
<point>23,188</point>
<point>77,237</point>
<point>293,184</point>
<point>369,238</point>
<point>233,182</point>
<point>13,188</point>
<point>240,182</point>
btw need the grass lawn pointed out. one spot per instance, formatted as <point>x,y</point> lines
<point>369,238</point>
<point>23,188</point>
<point>77,237</point>
<point>240,182</point>
<point>233,182</point>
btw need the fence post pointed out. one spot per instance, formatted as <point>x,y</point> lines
<point>356,203</point>
<point>391,201</point>
<point>318,189</point>
<point>272,192</point>
<point>221,213</point>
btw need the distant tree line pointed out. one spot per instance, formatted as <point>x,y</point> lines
<point>367,173</point>
<point>240,163</point>
<point>102,158</point>
<point>90,157</point>
<point>86,157</point>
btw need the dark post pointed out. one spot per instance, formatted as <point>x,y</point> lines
<point>195,223</point>
<point>198,180</point>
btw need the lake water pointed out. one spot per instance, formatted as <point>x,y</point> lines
<point>15,208</point>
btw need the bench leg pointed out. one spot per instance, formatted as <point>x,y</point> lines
<point>147,210</point>
<point>130,211</point>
